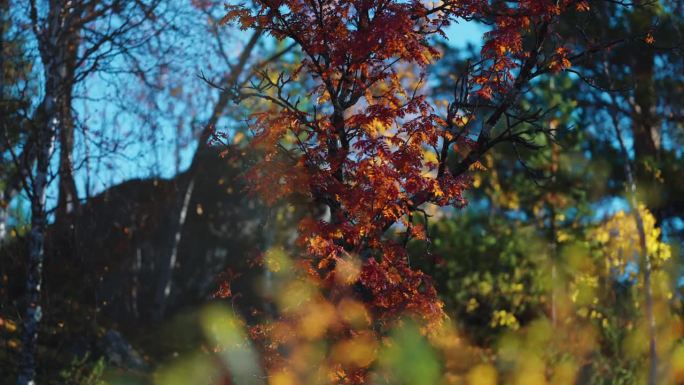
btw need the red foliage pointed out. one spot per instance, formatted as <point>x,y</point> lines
<point>363,149</point>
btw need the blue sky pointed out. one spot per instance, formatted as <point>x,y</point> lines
<point>140,159</point>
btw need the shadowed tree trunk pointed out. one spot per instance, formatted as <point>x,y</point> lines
<point>44,141</point>
<point>67,201</point>
<point>646,135</point>
<point>58,55</point>
<point>646,124</point>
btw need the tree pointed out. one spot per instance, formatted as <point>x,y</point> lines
<point>73,39</point>
<point>373,150</point>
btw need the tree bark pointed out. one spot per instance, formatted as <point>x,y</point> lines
<point>49,37</point>
<point>646,135</point>
<point>36,239</point>
<point>67,200</point>
<point>645,265</point>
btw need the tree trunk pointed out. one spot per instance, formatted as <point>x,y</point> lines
<point>50,39</point>
<point>36,241</point>
<point>67,201</point>
<point>166,275</point>
<point>646,135</point>
<point>165,278</point>
<point>644,258</point>
<point>646,125</point>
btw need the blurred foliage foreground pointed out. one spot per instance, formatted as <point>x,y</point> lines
<point>594,330</point>
<point>576,319</point>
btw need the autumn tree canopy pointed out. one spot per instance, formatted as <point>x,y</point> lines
<point>365,142</point>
